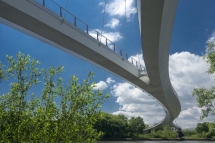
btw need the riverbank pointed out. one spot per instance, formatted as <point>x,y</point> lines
<point>153,139</point>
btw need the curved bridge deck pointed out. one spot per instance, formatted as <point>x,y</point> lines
<point>156,20</point>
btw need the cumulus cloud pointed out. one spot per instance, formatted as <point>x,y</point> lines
<point>101,4</point>
<point>103,85</point>
<point>135,102</point>
<point>100,85</point>
<point>137,60</point>
<point>190,117</point>
<point>113,23</point>
<point>187,71</point>
<point>212,38</point>
<point>111,36</point>
<point>117,8</point>
<point>110,80</point>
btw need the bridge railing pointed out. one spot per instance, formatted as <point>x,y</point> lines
<point>71,18</point>
<point>175,92</point>
<point>155,124</point>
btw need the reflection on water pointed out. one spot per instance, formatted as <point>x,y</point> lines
<point>154,142</point>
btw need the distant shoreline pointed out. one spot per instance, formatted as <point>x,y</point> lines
<point>153,139</point>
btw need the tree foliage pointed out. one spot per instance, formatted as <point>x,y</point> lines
<point>206,97</point>
<point>136,125</point>
<point>202,127</point>
<point>211,132</point>
<point>208,128</point>
<point>119,126</point>
<point>61,113</point>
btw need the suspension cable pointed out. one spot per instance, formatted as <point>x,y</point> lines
<point>157,114</point>
<point>139,59</point>
<point>176,122</point>
<point>102,23</point>
<point>125,25</point>
<point>66,9</point>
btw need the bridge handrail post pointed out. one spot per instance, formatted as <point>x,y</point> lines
<point>43,2</point>
<point>61,12</point>
<point>120,52</point>
<point>87,29</point>
<point>97,33</point>
<point>75,20</point>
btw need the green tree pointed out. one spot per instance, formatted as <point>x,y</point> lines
<point>2,72</point>
<point>13,104</point>
<point>27,117</point>
<point>202,127</point>
<point>119,126</point>
<point>136,125</point>
<point>211,133</point>
<point>112,126</point>
<point>206,97</point>
<point>123,124</point>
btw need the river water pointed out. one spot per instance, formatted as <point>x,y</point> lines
<point>154,142</point>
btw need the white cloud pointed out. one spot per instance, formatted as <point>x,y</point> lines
<point>111,36</point>
<point>135,102</point>
<point>186,72</point>
<point>103,85</point>
<point>117,8</point>
<point>110,80</point>
<point>101,4</point>
<point>100,85</point>
<point>190,117</point>
<point>113,23</point>
<point>137,59</point>
<point>212,38</point>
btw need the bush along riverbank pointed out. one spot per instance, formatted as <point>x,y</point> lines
<point>119,127</point>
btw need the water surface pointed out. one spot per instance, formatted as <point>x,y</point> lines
<point>154,142</point>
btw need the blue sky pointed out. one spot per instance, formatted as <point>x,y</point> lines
<point>194,26</point>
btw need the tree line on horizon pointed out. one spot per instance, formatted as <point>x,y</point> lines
<point>119,126</point>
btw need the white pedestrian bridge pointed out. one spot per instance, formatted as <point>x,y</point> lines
<point>70,34</point>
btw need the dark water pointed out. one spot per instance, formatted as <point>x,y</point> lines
<point>155,142</point>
